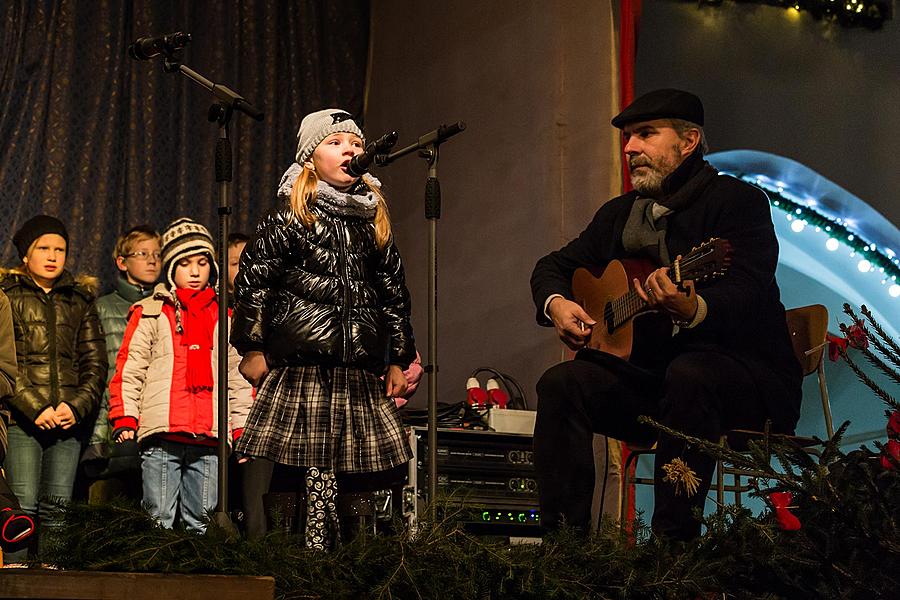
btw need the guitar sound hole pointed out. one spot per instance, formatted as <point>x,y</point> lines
<point>609,318</point>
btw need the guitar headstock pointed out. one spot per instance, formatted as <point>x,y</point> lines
<point>706,262</point>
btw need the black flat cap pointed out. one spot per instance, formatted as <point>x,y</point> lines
<point>662,104</point>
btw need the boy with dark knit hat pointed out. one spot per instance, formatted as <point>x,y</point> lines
<point>164,390</point>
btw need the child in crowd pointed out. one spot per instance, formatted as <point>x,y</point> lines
<point>322,312</point>
<point>164,389</point>
<point>61,357</point>
<point>236,243</point>
<point>15,526</point>
<point>115,469</point>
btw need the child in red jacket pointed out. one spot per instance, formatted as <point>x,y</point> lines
<point>164,389</point>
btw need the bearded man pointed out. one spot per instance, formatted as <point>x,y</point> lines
<point>726,363</point>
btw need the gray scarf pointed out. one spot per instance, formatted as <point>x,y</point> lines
<point>359,201</point>
<point>645,229</point>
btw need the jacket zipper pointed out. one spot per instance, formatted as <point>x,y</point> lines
<point>50,307</point>
<point>345,276</point>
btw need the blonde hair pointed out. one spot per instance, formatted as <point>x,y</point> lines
<point>303,195</point>
<point>135,235</point>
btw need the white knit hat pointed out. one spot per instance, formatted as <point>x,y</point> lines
<point>317,126</point>
<point>185,237</point>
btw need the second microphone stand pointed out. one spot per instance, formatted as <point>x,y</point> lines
<point>221,112</point>
<point>428,146</point>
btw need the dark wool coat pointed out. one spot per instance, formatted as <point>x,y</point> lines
<point>746,318</point>
<point>322,296</point>
<point>60,348</point>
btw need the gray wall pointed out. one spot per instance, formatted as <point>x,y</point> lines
<point>779,81</point>
<point>533,82</point>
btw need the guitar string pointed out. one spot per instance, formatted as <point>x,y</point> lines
<point>625,306</point>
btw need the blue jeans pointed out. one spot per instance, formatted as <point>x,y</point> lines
<point>41,470</point>
<point>179,477</point>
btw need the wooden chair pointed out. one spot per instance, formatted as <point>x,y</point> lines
<point>807,326</point>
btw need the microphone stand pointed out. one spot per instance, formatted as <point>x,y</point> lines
<point>428,146</point>
<point>220,112</point>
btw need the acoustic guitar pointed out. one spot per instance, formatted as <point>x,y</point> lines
<point>610,298</point>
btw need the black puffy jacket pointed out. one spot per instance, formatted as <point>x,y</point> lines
<point>60,347</point>
<point>322,296</point>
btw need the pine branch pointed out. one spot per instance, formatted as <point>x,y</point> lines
<point>873,358</point>
<point>848,310</point>
<point>884,350</point>
<point>881,365</point>
<point>893,356</point>
<point>881,393</point>
<point>757,458</point>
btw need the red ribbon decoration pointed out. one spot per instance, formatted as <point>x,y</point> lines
<point>781,501</point>
<point>836,346</point>
<point>856,335</point>
<point>893,426</point>
<point>892,448</point>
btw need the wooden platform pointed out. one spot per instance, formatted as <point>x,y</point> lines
<point>88,585</point>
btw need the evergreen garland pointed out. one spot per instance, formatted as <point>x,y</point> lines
<point>887,264</point>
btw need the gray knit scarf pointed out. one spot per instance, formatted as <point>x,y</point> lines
<point>358,202</point>
<point>645,229</point>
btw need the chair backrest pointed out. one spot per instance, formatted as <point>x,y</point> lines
<point>808,326</point>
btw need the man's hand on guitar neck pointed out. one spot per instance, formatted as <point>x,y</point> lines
<point>573,325</point>
<point>660,292</point>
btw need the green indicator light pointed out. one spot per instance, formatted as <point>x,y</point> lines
<point>485,516</point>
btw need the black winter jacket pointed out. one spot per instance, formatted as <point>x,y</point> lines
<point>60,348</point>
<point>322,296</point>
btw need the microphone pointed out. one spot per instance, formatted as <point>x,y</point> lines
<point>360,163</point>
<point>146,48</point>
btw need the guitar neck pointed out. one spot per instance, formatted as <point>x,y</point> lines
<point>624,307</point>
<point>611,297</point>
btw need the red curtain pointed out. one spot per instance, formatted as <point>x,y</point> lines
<point>629,20</point>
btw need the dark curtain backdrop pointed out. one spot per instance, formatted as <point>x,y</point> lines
<point>105,142</point>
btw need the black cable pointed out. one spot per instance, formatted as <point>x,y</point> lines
<point>456,415</point>
<point>508,381</point>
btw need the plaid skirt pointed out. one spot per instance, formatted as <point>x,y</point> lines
<point>328,417</point>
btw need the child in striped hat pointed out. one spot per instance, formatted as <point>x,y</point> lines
<point>164,389</point>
